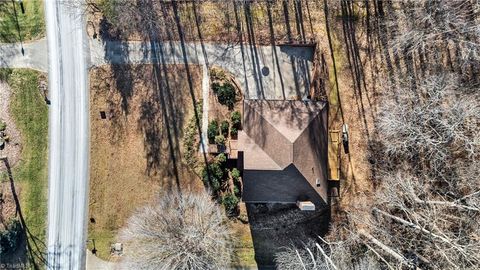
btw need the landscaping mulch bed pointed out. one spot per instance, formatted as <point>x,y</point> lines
<point>12,149</point>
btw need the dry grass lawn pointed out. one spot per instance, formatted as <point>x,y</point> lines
<point>354,103</point>
<point>137,150</point>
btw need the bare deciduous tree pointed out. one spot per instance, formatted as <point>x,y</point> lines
<point>413,215</point>
<point>187,231</point>
<point>436,26</point>
<point>437,123</point>
<point>426,204</point>
<point>334,256</point>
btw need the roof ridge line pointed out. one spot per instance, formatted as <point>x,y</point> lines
<point>317,113</point>
<point>263,150</point>
<point>273,125</point>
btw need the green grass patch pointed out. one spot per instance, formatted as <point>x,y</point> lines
<point>243,250</point>
<point>245,257</point>
<point>31,24</point>
<point>103,238</point>
<point>333,97</point>
<point>30,113</point>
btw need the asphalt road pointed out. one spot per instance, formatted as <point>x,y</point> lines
<point>69,134</point>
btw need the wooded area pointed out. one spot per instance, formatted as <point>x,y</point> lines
<point>423,212</point>
<point>420,208</point>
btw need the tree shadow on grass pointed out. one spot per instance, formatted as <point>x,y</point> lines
<point>9,28</point>
<point>116,54</point>
<point>361,91</point>
<point>162,109</point>
<point>190,85</point>
<point>34,247</point>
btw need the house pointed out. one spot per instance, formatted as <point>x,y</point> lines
<point>283,147</point>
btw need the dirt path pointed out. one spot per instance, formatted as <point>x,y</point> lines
<point>95,263</point>
<point>13,148</point>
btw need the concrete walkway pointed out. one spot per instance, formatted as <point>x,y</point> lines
<point>269,72</point>
<point>205,107</point>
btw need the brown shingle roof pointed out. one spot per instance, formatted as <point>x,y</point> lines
<point>254,157</point>
<point>285,133</point>
<point>289,117</point>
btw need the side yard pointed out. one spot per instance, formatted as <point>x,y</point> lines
<point>139,123</point>
<point>353,79</point>
<point>145,140</point>
<point>30,113</point>
<point>225,121</point>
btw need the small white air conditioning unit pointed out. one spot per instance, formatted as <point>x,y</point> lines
<point>306,206</point>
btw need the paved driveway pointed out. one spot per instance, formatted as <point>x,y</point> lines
<point>269,72</point>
